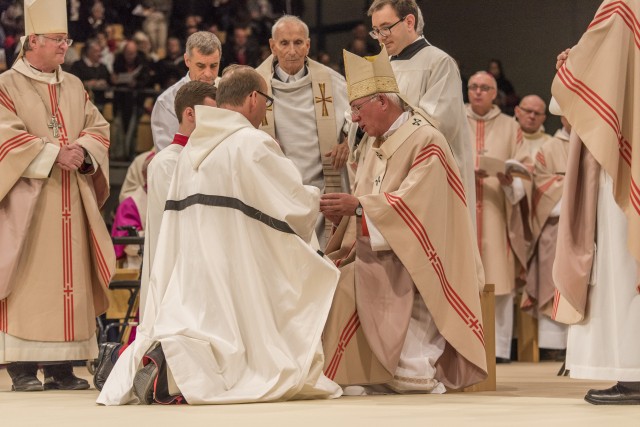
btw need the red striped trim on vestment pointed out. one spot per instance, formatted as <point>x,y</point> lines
<point>479,182</point>
<point>556,302</point>
<point>623,11</point>
<point>634,195</point>
<point>15,142</point>
<point>541,190</point>
<point>4,320</point>
<point>454,181</point>
<point>597,104</point>
<point>103,268</point>
<point>540,158</point>
<point>7,102</point>
<point>101,139</point>
<point>67,257</point>
<point>452,297</point>
<point>345,337</point>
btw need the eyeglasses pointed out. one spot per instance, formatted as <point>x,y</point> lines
<point>384,31</point>
<point>483,88</point>
<point>527,111</point>
<point>268,98</point>
<point>58,40</point>
<point>355,109</point>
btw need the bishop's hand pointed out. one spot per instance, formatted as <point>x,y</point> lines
<point>339,155</point>
<point>70,157</point>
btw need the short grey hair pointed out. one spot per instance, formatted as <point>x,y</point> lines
<point>289,19</point>
<point>205,42</point>
<point>394,98</point>
<point>234,87</point>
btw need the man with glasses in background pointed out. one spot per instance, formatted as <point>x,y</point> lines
<point>308,116</point>
<point>428,78</point>
<point>57,256</point>
<point>501,201</point>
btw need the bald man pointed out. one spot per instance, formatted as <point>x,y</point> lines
<point>531,114</point>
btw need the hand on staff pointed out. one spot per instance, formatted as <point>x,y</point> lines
<point>562,57</point>
<point>339,155</point>
<point>505,179</point>
<point>336,205</point>
<point>70,157</point>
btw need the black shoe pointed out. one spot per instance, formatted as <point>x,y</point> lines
<point>105,363</point>
<point>60,377</point>
<point>616,395</point>
<point>23,377</point>
<point>502,360</point>
<point>150,383</point>
<point>144,383</point>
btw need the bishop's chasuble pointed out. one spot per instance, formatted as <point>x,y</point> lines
<point>56,258</point>
<point>410,189</point>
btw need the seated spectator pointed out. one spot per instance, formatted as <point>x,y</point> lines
<point>92,72</point>
<point>171,68</point>
<point>241,48</point>
<point>507,98</point>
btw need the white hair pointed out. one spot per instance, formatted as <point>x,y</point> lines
<point>286,19</point>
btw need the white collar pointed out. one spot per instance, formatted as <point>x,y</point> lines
<point>288,78</point>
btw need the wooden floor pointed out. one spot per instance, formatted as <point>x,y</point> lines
<point>528,394</point>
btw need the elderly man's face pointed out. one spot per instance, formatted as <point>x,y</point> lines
<point>290,46</point>
<point>203,68</point>
<point>50,53</point>
<point>482,91</point>
<point>367,113</point>
<point>531,113</point>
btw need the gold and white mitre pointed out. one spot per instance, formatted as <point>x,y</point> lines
<point>369,75</point>
<point>45,17</point>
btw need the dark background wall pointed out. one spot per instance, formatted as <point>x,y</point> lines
<point>525,35</point>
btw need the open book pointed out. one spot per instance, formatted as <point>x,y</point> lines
<point>492,166</point>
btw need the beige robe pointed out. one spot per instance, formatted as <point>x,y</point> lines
<point>550,168</point>
<point>598,91</point>
<point>134,178</point>
<point>58,261</point>
<point>500,225</point>
<point>431,239</point>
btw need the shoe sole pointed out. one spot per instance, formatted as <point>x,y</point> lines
<point>28,388</point>
<point>58,387</point>
<point>612,402</point>
<point>143,383</point>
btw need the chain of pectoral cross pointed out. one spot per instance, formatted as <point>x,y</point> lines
<point>53,121</point>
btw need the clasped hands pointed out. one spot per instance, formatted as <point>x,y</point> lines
<point>70,157</point>
<point>336,205</point>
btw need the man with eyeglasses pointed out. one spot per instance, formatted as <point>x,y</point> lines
<point>57,257</point>
<point>531,114</point>
<point>308,116</point>
<point>428,78</point>
<point>406,314</point>
<point>501,202</point>
<point>239,293</point>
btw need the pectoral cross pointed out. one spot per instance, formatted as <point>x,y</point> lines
<point>53,124</point>
<point>324,99</point>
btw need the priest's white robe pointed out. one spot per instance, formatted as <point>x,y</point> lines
<point>429,78</point>
<point>242,296</point>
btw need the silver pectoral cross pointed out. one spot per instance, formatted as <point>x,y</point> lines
<point>53,124</point>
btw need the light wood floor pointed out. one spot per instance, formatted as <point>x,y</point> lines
<point>528,394</point>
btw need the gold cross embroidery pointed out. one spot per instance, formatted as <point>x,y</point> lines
<point>265,122</point>
<point>324,99</point>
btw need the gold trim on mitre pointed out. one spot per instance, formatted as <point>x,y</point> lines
<point>367,77</point>
<point>45,17</point>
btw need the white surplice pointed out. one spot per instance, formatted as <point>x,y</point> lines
<point>241,295</point>
<point>606,346</point>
